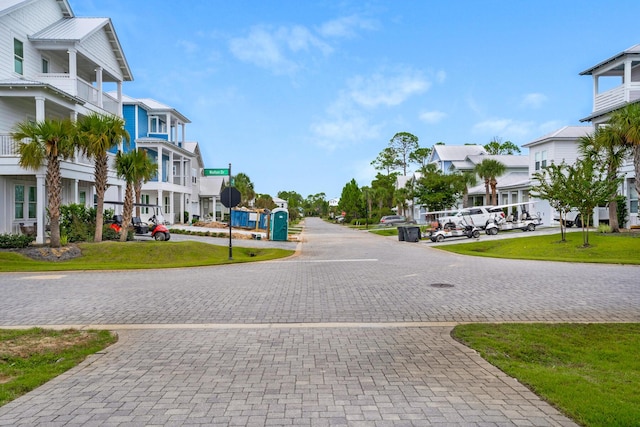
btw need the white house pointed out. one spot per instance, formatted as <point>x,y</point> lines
<point>55,66</point>
<point>554,148</point>
<point>616,83</point>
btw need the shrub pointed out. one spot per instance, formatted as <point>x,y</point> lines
<point>77,222</point>
<point>109,233</point>
<point>15,241</point>
<point>604,228</point>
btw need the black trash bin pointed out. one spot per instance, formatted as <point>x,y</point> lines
<point>402,233</point>
<point>412,234</point>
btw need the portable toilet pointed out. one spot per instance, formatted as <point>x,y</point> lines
<point>279,225</point>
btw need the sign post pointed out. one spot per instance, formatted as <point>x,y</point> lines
<point>229,191</point>
<point>230,198</point>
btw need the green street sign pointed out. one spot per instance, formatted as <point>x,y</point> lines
<point>216,172</point>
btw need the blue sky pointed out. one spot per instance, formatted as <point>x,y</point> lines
<point>303,95</point>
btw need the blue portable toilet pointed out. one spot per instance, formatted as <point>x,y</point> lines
<point>280,225</point>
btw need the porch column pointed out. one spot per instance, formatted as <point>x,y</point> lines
<point>595,87</point>
<point>76,196</point>
<point>182,197</point>
<point>99,84</point>
<point>119,96</point>
<point>73,70</point>
<point>41,214</point>
<point>160,162</point>
<point>627,81</point>
<point>172,207</point>
<point>39,108</point>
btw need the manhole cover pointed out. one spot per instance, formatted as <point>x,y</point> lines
<point>441,285</point>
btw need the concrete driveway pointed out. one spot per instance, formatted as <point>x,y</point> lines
<point>354,331</point>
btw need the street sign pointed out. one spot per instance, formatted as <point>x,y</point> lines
<point>216,172</point>
<point>230,198</point>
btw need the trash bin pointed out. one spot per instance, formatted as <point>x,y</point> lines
<point>412,234</point>
<point>402,234</point>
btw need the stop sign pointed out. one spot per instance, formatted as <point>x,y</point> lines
<point>230,197</point>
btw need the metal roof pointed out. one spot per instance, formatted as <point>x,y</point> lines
<point>76,30</point>
<point>635,49</point>
<point>566,132</point>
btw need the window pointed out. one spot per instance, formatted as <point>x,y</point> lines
<point>541,160</point>
<point>166,205</point>
<point>45,65</point>
<point>144,199</point>
<point>19,206</point>
<point>633,199</point>
<point>83,198</point>
<point>18,56</point>
<point>157,125</point>
<point>25,207</point>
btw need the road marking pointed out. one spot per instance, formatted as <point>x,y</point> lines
<point>47,277</point>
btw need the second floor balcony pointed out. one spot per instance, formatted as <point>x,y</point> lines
<point>83,90</point>
<point>616,96</point>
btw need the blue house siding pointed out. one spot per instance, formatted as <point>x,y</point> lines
<point>143,123</point>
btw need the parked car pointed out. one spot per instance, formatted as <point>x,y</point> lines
<point>390,220</point>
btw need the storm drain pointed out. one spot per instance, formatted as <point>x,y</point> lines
<point>441,285</point>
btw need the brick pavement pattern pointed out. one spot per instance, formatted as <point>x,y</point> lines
<point>345,333</point>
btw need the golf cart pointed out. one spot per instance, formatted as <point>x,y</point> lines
<point>154,228</point>
<point>446,228</point>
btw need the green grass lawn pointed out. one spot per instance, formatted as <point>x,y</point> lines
<point>30,358</point>
<point>617,248</point>
<point>140,255</point>
<point>590,372</point>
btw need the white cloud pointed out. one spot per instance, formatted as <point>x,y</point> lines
<point>187,46</point>
<point>346,26</point>
<point>432,116</point>
<point>276,49</point>
<point>332,133</point>
<point>441,76</point>
<point>507,128</point>
<point>370,92</point>
<point>533,100</point>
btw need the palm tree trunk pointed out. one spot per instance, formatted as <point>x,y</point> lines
<point>636,166</point>
<point>55,180</point>
<point>127,209</point>
<point>100,175</point>
<point>486,189</point>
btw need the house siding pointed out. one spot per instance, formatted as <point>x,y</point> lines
<point>98,48</point>
<point>18,24</point>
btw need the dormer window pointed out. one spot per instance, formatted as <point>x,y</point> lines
<point>45,65</point>
<point>18,56</point>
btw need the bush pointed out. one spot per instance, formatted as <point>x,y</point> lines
<point>109,233</point>
<point>604,228</point>
<point>15,241</point>
<point>77,222</point>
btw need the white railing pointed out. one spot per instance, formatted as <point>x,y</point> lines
<point>8,146</point>
<point>81,89</point>
<point>616,96</point>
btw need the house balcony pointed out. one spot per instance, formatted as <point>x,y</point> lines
<point>616,96</point>
<point>83,90</point>
<point>9,148</point>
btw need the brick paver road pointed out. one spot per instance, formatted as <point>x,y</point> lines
<point>352,331</point>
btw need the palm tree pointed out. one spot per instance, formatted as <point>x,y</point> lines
<point>245,187</point>
<point>627,121</point>
<point>47,142</point>
<point>134,167</point>
<point>469,180</point>
<point>606,147</point>
<point>125,169</point>
<point>98,134</point>
<point>489,170</point>
<point>146,170</point>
